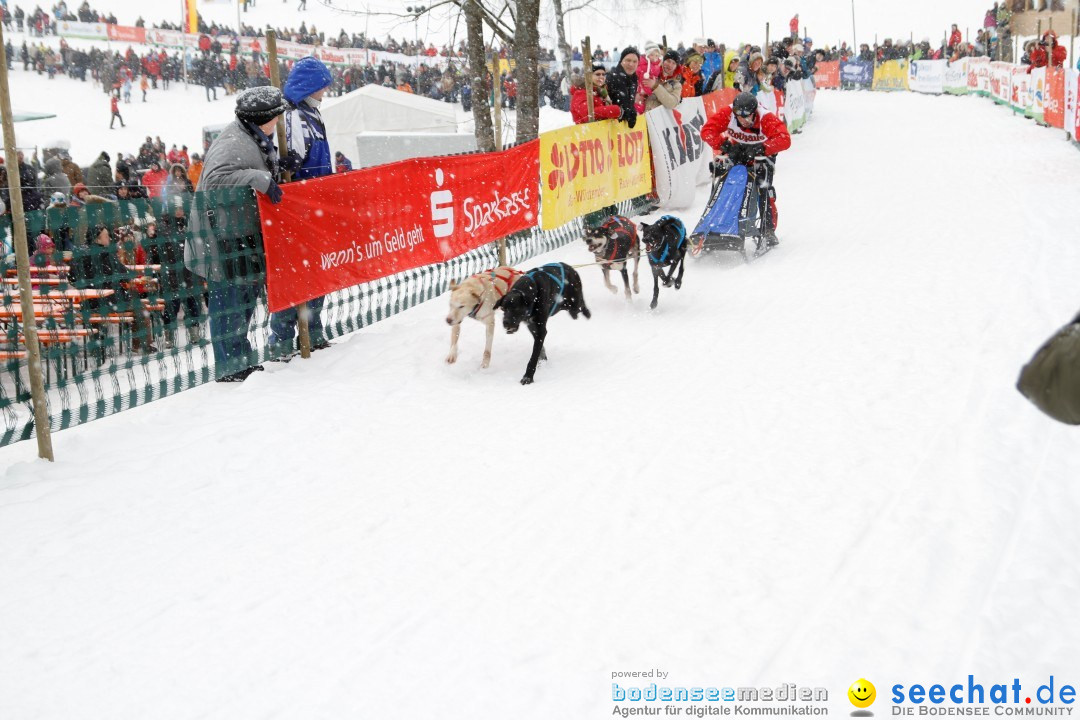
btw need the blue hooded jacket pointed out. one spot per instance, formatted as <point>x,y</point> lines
<point>304,128</point>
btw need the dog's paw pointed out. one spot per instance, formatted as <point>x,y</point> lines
<point>451,358</point>
<point>613,289</point>
<point>678,284</point>
<point>652,305</point>
<point>526,380</point>
<point>486,362</point>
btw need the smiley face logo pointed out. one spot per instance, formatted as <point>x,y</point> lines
<point>862,693</point>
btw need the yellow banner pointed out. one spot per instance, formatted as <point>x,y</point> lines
<point>192,16</point>
<point>891,75</point>
<point>588,167</point>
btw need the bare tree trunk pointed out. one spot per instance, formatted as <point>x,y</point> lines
<point>527,55</point>
<point>474,26</point>
<point>564,46</point>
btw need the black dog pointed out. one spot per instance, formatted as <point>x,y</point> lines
<point>665,242</point>
<point>535,297</point>
<point>614,243</point>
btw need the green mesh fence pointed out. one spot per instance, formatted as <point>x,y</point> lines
<point>140,299</point>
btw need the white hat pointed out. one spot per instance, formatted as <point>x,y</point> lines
<point>700,41</point>
<point>650,46</point>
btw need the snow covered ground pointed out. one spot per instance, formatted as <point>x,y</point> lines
<point>810,469</point>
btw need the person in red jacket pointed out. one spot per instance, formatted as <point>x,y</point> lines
<point>745,132</point>
<point>602,109</point>
<point>114,103</point>
<point>1048,51</point>
<point>955,39</point>
<point>154,180</point>
<point>794,27</point>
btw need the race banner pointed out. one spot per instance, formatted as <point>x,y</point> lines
<point>715,101</point>
<point>856,73</point>
<point>927,76</point>
<point>1037,106</point>
<point>827,75</point>
<point>587,167</point>
<point>1001,82</point>
<point>956,77</point>
<point>341,230</point>
<point>1054,106</point>
<point>891,75</point>
<point>1020,100</point>
<point>979,75</point>
<point>1072,93</point>
<point>88,31</point>
<point>809,93</point>
<point>679,154</point>
<point>794,107</point>
<point>123,33</point>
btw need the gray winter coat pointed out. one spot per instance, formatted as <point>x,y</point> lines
<point>99,177</point>
<point>55,179</point>
<point>234,159</point>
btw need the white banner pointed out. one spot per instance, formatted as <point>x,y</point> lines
<point>1001,81</point>
<point>979,75</point>
<point>794,106</point>
<point>1020,97</point>
<point>1037,78</point>
<point>956,77</point>
<point>927,76</point>
<point>91,31</point>
<point>678,151</point>
<point>809,94</point>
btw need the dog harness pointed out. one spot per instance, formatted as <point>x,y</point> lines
<point>618,225</point>
<point>510,279</point>
<point>560,281</point>
<point>667,246</point>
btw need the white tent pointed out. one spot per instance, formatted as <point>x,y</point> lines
<point>374,108</point>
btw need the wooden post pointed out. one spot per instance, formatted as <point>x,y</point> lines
<point>1072,38</point>
<point>496,89</point>
<point>283,150</point>
<point>765,49</point>
<point>587,71</point>
<point>22,261</point>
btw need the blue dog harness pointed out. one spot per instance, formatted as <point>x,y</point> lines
<point>560,281</point>
<point>667,246</point>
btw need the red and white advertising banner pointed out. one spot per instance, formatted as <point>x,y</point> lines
<point>1021,99</point>
<point>679,154</point>
<point>1001,81</point>
<point>123,33</point>
<point>827,75</point>
<point>1054,110</point>
<point>342,230</point>
<point>979,75</point>
<point>715,101</point>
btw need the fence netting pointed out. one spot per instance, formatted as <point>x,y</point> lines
<point>123,320</point>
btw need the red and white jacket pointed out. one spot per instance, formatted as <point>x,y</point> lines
<point>767,129</point>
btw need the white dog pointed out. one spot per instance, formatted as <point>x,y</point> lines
<point>475,297</point>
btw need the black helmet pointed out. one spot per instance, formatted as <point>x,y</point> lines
<point>745,105</point>
<point>260,105</point>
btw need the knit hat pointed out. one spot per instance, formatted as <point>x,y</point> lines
<point>44,245</point>
<point>260,105</point>
<point>57,197</point>
<point>672,55</point>
<point>629,50</point>
<point>598,66</point>
<point>79,187</point>
<point>650,46</point>
<point>694,56</point>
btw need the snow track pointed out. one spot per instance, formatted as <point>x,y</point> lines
<point>808,469</point>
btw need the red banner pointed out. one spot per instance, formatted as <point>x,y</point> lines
<point>714,101</point>
<point>1054,108</point>
<point>342,230</point>
<point>122,33</point>
<point>827,75</point>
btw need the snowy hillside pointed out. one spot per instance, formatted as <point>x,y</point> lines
<point>810,469</point>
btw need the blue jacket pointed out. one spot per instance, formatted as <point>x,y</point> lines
<point>305,132</point>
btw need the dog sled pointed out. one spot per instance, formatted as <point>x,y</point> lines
<point>733,220</point>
